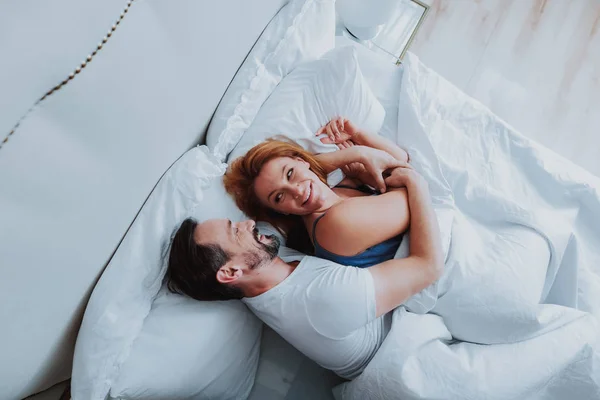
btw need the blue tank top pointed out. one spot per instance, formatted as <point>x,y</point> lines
<point>373,255</point>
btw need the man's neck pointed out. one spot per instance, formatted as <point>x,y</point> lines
<point>269,275</point>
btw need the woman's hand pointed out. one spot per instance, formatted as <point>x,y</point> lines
<point>377,164</point>
<point>340,131</point>
<point>355,169</point>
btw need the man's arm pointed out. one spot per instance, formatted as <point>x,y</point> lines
<point>398,279</point>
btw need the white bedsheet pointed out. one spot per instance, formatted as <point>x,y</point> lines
<point>497,194</point>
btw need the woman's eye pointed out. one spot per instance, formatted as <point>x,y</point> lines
<point>290,172</point>
<point>278,198</point>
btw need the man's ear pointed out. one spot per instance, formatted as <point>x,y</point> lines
<point>229,273</point>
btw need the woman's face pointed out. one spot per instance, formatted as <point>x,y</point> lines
<point>287,185</point>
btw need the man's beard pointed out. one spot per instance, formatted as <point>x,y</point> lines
<point>266,253</point>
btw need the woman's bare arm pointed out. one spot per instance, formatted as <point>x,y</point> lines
<point>338,159</point>
<point>381,143</point>
<point>373,163</point>
<point>358,223</point>
<point>342,130</point>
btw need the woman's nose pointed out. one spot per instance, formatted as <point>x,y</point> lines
<point>296,191</point>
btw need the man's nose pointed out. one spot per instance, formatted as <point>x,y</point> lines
<point>250,224</point>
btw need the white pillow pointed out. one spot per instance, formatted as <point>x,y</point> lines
<point>302,30</point>
<point>192,349</point>
<point>309,97</point>
<point>179,347</point>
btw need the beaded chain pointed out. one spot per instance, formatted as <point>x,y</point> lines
<point>72,75</point>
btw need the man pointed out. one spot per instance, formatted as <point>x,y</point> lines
<point>336,315</point>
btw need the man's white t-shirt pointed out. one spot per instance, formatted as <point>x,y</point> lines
<point>327,311</point>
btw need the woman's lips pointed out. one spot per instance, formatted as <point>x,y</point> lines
<point>310,193</point>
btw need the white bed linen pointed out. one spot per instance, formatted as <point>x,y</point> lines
<point>482,172</point>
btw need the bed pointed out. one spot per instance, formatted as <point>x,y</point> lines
<point>83,161</point>
<point>84,184</point>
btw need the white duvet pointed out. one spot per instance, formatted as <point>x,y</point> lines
<point>519,307</point>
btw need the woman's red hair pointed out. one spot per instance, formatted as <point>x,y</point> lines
<point>239,183</point>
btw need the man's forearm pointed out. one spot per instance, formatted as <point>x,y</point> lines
<point>425,239</point>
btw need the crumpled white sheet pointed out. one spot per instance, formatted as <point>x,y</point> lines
<point>501,197</point>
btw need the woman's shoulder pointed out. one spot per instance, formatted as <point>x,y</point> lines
<point>357,223</point>
<point>338,213</point>
<point>337,230</point>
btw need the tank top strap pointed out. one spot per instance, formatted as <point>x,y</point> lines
<point>314,227</point>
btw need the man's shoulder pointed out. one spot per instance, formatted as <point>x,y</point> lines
<point>327,277</point>
<point>320,265</point>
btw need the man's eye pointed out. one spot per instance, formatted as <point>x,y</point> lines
<point>290,172</point>
<point>278,198</point>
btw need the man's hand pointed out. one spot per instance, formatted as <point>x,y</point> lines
<point>406,176</point>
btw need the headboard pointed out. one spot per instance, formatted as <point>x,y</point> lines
<point>126,87</point>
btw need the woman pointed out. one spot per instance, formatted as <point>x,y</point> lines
<point>350,224</point>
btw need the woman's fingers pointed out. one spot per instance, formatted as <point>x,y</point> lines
<point>323,130</point>
<point>334,130</point>
<point>327,140</point>
<point>334,127</point>
<point>377,176</point>
<point>399,164</point>
<point>386,166</point>
<point>329,132</point>
<point>340,123</point>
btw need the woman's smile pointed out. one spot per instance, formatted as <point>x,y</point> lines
<point>308,195</point>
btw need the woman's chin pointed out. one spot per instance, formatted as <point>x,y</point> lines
<point>314,207</point>
<point>304,211</point>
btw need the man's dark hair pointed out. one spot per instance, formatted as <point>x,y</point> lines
<point>192,268</point>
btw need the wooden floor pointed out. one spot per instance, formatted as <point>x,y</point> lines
<point>535,63</point>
